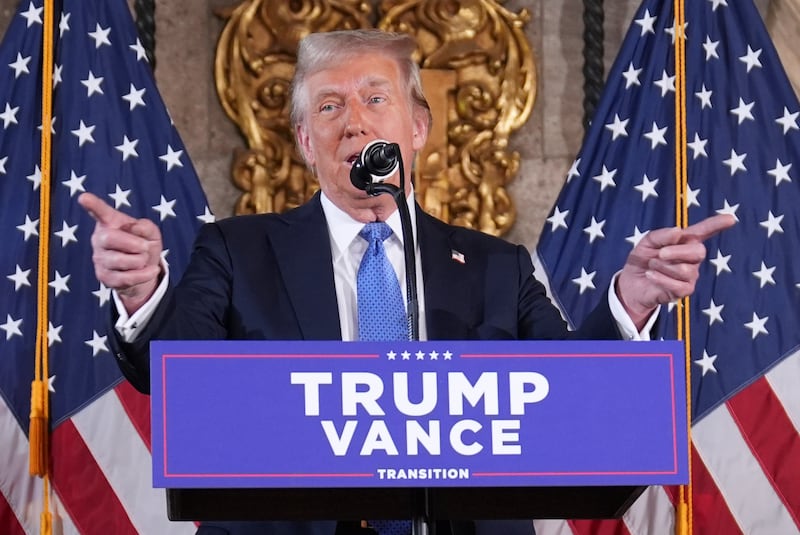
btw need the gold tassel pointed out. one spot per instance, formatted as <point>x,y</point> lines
<point>45,523</point>
<point>38,432</point>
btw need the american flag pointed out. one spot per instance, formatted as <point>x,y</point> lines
<point>111,136</point>
<point>743,145</point>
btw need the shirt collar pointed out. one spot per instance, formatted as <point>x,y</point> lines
<point>343,229</point>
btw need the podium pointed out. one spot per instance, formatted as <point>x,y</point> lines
<point>433,430</point>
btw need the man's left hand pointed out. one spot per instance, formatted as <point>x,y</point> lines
<point>665,266</point>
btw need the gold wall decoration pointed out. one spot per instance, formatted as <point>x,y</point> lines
<point>479,76</point>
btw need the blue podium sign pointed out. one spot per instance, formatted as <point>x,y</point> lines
<point>417,414</point>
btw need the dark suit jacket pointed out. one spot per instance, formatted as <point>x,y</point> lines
<point>270,277</point>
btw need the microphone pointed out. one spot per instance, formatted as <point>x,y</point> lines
<point>377,161</point>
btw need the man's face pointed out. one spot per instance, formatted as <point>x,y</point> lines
<point>351,104</point>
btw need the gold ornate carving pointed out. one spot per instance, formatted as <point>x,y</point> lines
<point>479,77</point>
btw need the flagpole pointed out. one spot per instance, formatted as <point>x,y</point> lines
<point>683,518</point>
<point>39,432</point>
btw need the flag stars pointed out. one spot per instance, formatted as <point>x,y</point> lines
<point>33,15</point>
<point>172,158</point>
<point>207,216</point>
<point>706,363</point>
<point>714,313</point>
<point>632,76</point>
<point>780,172</point>
<point>729,209</point>
<point>647,188</point>
<point>585,281</point>
<point>711,48</point>
<point>97,343</point>
<point>20,65</point>
<point>35,177</point>
<point>772,224</point>
<point>67,234</point>
<point>128,148</point>
<point>59,283</point>
<point>53,334</point>
<point>646,23</point>
<point>751,58</point>
<point>657,136</point>
<point>573,170</point>
<point>165,208</point>
<point>618,127</point>
<point>9,115</point>
<point>92,84</point>
<point>666,83</point>
<point>63,24</point>
<point>558,219</point>
<point>691,197</point>
<point>137,47</point>
<point>3,162</point>
<point>637,236</point>
<point>120,197</point>
<point>698,147</point>
<point>84,133</point>
<point>57,75</point>
<point>103,294</point>
<point>716,3</point>
<point>595,229</point>
<point>764,275</point>
<point>788,121</point>
<point>720,262</point>
<point>19,278</point>
<point>134,97</point>
<point>736,162</point>
<point>757,326</point>
<point>100,36</point>
<point>743,111</point>
<point>705,97</point>
<point>11,327</point>
<point>75,183</point>
<point>29,228</point>
<point>671,31</point>
<point>606,178</point>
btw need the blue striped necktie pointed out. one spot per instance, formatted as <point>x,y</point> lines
<point>381,316</point>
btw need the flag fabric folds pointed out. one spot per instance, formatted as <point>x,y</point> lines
<point>112,136</point>
<point>743,156</point>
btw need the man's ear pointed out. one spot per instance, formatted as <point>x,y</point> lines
<point>420,129</point>
<point>304,143</point>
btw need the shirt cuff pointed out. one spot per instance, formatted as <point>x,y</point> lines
<point>624,321</point>
<point>129,327</point>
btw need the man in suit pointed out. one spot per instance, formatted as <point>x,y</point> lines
<point>292,276</point>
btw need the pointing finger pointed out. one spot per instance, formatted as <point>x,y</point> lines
<point>709,227</point>
<point>102,212</point>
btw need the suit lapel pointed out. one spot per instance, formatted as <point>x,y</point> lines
<point>303,251</point>
<point>448,282</point>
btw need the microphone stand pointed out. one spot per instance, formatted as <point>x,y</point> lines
<point>399,196</point>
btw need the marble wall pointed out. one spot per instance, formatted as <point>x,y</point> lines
<point>187,31</point>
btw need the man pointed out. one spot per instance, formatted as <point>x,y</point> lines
<point>293,276</point>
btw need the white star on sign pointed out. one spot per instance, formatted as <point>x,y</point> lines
<point>67,234</point>
<point>59,284</point>
<point>84,133</point>
<point>585,280</point>
<point>134,97</point>
<point>19,278</point>
<point>164,208</point>
<point>172,158</point>
<point>736,162</point>
<point>100,36</point>
<point>97,343</point>
<point>11,327</point>
<point>757,326</point>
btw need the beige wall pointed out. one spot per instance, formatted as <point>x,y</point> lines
<point>186,37</point>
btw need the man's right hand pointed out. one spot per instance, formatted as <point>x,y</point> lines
<point>126,252</point>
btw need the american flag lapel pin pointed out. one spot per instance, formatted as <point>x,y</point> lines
<point>457,256</point>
